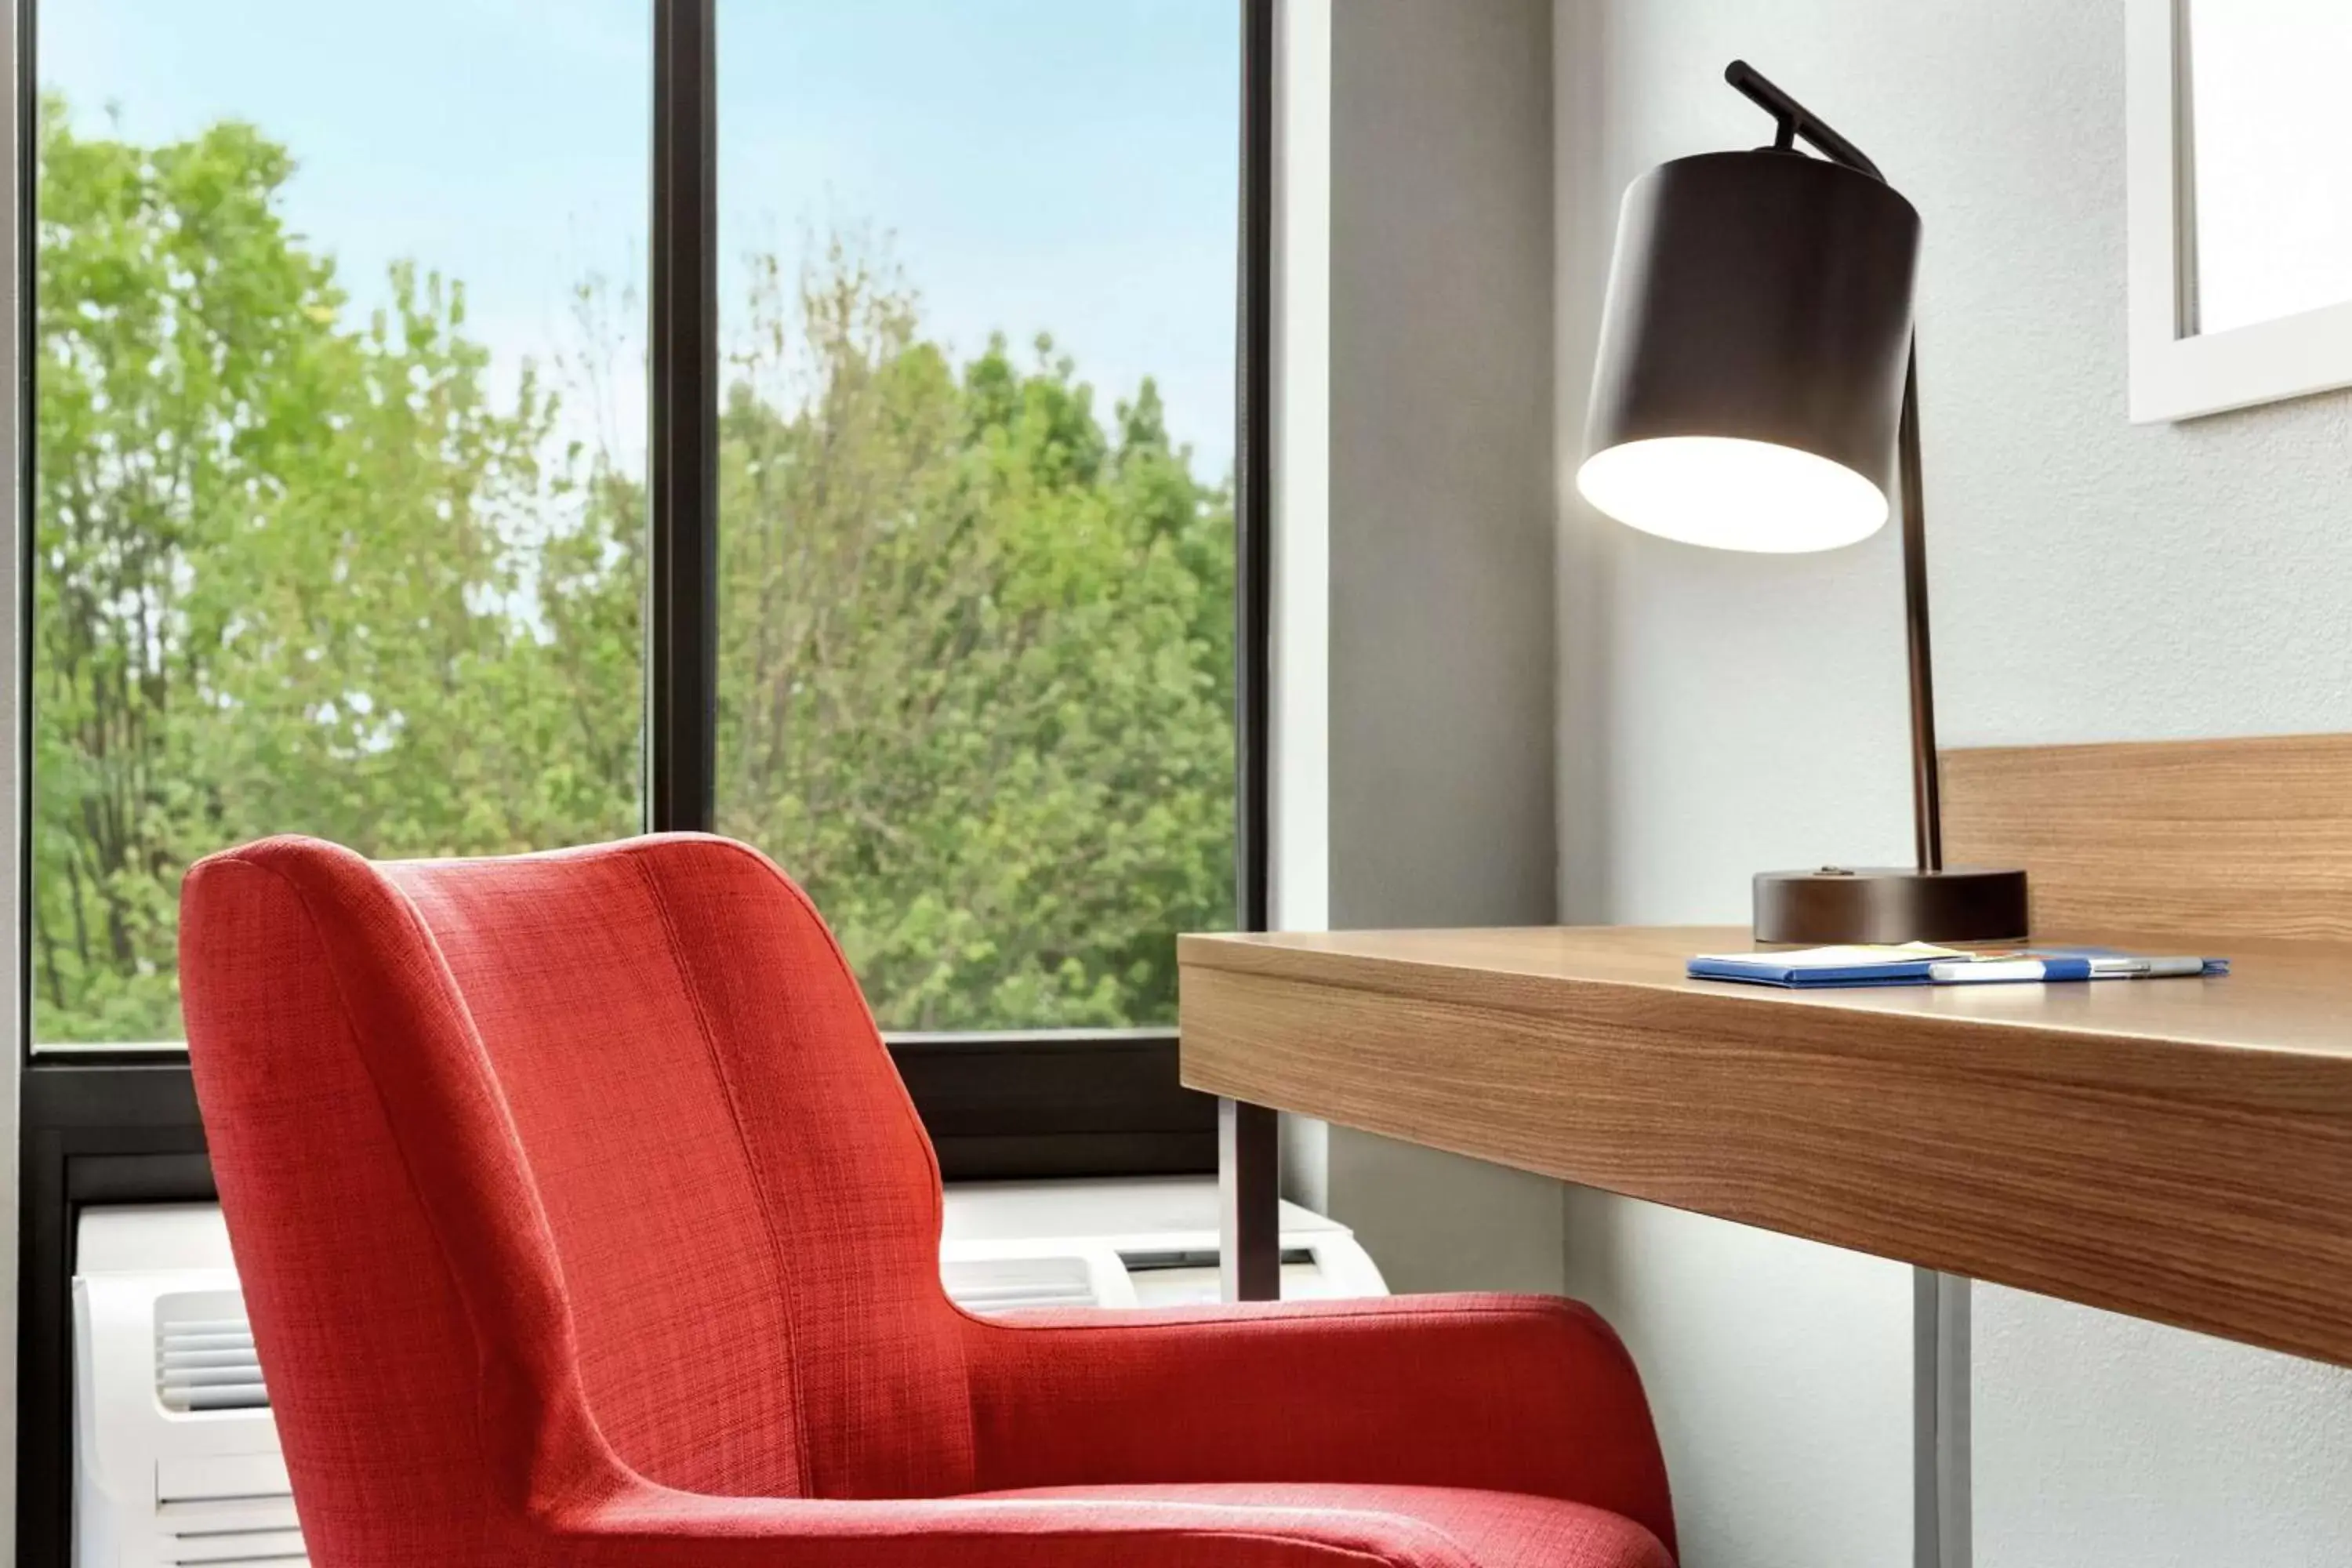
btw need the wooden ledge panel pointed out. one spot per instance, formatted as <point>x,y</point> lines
<point>2246,837</point>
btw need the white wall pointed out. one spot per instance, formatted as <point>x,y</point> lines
<point>2092,581</point>
<point>1414,517</point>
<point>1299,772</point>
<point>1441,440</point>
<point>1780,1370</point>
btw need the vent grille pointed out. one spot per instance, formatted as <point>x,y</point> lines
<point>208,1362</point>
<point>1091,1278</point>
<point>1199,1258</point>
<point>238,1549</point>
<point>990,1285</point>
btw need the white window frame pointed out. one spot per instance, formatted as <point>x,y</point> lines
<point>2177,375</point>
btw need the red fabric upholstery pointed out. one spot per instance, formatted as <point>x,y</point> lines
<point>582,1220</point>
<point>1492,1528</point>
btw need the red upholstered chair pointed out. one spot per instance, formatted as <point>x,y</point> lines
<point>583,1221</point>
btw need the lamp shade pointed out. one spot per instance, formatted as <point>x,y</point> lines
<point>1753,351</point>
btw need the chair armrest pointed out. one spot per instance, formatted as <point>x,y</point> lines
<point>651,1527</point>
<point>1526,1393</point>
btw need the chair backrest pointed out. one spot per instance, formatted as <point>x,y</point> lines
<point>534,1164</point>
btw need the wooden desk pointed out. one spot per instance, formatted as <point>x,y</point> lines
<point>2179,1149</point>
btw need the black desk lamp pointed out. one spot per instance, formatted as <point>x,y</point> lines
<point>1757,389</point>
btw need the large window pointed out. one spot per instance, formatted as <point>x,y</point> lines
<point>364,501</point>
<point>339,474</point>
<point>976,595</point>
<point>338,451</point>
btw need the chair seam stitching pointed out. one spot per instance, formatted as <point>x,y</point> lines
<point>908,1114</point>
<point>806,906</point>
<point>787,1286</point>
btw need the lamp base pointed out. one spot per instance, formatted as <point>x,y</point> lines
<point>1883,903</point>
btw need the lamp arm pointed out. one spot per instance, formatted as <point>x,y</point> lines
<point>1927,795</point>
<point>1796,122</point>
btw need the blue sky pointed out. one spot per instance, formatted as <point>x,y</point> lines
<point>1066,165</point>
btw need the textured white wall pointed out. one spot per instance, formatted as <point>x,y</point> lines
<point>1779,1374</point>
<point>1299,770</point>
<point>2092,581</point>
<point>1300,766</point>
<point>1780,1370</point>
<point>1440,712</point>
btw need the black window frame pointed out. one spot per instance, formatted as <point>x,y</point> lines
<point>118,1127</point>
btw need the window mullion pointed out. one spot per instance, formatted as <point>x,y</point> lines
<point>682,455</point>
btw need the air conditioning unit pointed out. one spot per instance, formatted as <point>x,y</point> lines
<point>1146,1241</point>
<point>176,1457</point>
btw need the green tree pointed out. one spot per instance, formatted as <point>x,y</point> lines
<point>292,574</point>
<point>297,572</point>
<point>976,662</point>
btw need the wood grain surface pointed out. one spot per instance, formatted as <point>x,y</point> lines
<point>2219,838</point>
<point>2177,1150</point>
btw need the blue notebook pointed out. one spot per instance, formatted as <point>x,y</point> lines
<point>1923,963</point>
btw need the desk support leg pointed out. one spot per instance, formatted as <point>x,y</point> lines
<point>1249,1216</point>
<point>1939,1406</point>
